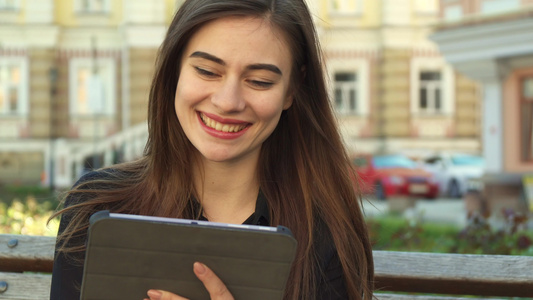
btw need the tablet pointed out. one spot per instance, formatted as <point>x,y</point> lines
<point>129,254</point>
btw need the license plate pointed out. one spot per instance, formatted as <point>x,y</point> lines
<point>418,188</point>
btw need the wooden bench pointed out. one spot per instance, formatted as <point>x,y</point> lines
<point>26,261</point>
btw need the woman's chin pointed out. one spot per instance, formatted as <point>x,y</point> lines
<point>218,156</point>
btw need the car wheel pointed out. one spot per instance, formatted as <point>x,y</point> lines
<point>379,191</point>
<point>453,189</point>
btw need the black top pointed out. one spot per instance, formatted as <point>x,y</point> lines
<point>67,276</point>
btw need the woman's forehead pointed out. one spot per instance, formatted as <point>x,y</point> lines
<point>242,38</point>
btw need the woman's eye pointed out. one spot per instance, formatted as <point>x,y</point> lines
<point>204,72</point>
<point>261,84</point>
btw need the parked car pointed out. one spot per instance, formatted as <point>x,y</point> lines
<point>453,171</point>
<point>393,175</point>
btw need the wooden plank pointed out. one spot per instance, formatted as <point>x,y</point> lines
<point>459,274</point>
<point>26,286</point>
<point>381,296</point>
<point>448,274</point>
<point>29,253</point>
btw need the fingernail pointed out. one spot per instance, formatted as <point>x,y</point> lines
<point>154,294</point>
<point>199,268</point>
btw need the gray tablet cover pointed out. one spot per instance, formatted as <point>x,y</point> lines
<point>127,257</point>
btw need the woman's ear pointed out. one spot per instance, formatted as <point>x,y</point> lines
<point>288,101</point>
<point>294,88</point>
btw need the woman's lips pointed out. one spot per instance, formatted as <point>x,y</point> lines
<point>222,128</point>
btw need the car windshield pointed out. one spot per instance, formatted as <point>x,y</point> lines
<point>393,161</point>
<point>468,160</point>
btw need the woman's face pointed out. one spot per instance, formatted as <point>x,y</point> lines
<point>233,85</point>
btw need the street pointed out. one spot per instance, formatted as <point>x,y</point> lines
<point>440,210</point>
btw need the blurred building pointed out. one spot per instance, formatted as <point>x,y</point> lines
<point>393,89</point>
<point>491,41</point>
<point>74,81</point>
<point>75,77</point>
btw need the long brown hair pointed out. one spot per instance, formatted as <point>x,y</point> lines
<point>304,170</point>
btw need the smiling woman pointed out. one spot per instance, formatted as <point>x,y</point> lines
<point>235,72</point>
<point>241,131</point>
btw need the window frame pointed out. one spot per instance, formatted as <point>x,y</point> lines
<point>346,87</point>
<point>431,86</point>
<point>421,64</point>
<point>23,87</point>
<point>109,107</point>
<point>359,66</point>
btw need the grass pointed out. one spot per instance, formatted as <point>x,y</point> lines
<point>41,194</point>
<point>395,233</point>
<point>26,209</point>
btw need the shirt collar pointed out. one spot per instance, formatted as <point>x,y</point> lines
<point>261,215</point>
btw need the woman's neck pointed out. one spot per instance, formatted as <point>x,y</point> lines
<point>227,191</point>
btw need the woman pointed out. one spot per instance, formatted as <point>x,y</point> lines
<point>240,131</point>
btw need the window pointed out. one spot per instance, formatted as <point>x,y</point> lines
<point>346,6</point>
<point>9,4</point>
<point>92,87</point>
<point>432,87</point>
<point>13,86</point>
<point>349,85</point>
<point>526,100</point>
<point>92,6</point>
<point>430,90</point>
<point>499,6</point>
<point>453,13</point>
<point>346,92</point>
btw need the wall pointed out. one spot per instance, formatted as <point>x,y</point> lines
<point>511,121</point>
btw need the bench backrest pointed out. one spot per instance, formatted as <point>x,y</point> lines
<point>452,274</point>
<point>24,253</point>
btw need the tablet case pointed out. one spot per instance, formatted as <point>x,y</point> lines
<point>127,257</point>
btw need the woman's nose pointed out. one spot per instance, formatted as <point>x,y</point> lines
<point>228,98</point>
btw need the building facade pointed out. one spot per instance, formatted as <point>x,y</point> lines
<point>75,78</point>
<point>491,41</point>
<point>391,86</point>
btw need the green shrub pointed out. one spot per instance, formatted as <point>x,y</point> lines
<point>41,194</point>
<point>480,236</point>
<point>394,233</point>
<point>28,217</point>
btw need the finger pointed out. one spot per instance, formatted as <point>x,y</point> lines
<point>216,288</point>
<point>163,295</point>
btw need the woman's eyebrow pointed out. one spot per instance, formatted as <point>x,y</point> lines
<point>208,56</point>
<point>268,67</point>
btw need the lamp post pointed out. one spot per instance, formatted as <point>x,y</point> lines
<point>52,76</point>
<point>96,98</point>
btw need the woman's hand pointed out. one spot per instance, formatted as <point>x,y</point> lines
<point>214,286</point>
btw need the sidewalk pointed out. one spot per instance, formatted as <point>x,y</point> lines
<point>448,211</point>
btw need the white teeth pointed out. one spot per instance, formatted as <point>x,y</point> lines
<point>219,126</point>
